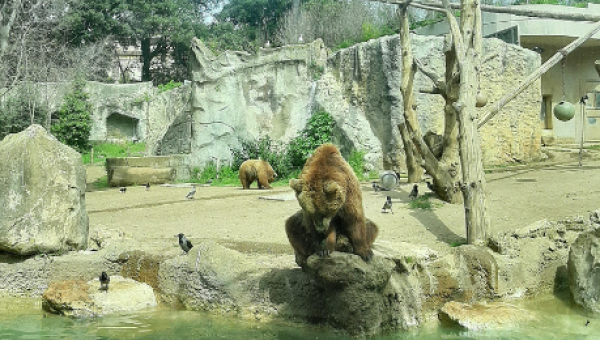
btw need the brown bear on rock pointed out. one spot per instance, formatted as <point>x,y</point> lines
<point>332,216</point>
<point>256,170</point>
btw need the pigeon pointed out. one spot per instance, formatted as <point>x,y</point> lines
<point>191,194</point>
<point>387,205</point>
<point>414,192</point>
<point>122,190</point>
<point>104,280</point>
<point>184,243</point>
<point>147,185</point>
<point>376,187</point>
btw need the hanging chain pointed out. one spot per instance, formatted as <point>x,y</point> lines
<point>563,78</point>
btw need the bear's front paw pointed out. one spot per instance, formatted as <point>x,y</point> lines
<point>323,252</point>
<point>368,256</point>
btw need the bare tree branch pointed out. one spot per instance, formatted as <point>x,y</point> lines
<point>438,82</point>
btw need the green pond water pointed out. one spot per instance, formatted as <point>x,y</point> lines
<point>24,319</point>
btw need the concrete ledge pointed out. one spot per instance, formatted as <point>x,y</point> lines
<point>125,175</point>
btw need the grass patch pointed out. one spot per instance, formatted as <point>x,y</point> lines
<point>103,151</point>
<point>457,243</point>
<point>424,202</point>
<point>101,183</point>
<point>592,147</point>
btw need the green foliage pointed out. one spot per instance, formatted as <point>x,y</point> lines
<point>345,44</point>
<point>457,243</point>
<point>226,175</point>
<point>16,112</point>
<point>424,202</point>
<point>316,71</point>
<point>103,151</point>
<point>357,162</point>
<point>168,86</point>
<point>101,183</point>
<point>318,130</point>
<point>74,119</point>
<point>266,149</point>
<point>370,31</point>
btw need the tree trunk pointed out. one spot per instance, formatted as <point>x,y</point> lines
<point>146,59</point>
<point>413,167</point>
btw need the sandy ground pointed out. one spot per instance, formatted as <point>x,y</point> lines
<point>242,220</point>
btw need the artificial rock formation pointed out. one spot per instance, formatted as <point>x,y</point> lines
<point>82,299</point>
<point>42,194</point>
<point>584,259</point>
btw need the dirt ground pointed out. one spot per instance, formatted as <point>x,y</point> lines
<point>242,220</point>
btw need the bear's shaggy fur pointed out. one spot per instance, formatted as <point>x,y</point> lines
<point>256,170</point>
<point>331,200</point>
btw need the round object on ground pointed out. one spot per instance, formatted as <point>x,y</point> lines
<point>388,180</point>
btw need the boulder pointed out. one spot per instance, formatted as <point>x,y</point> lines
<point>480,316</point>
<point>42,194</point>
<point>583,263</point>
<point>126,176</point>
<point>82,299</point>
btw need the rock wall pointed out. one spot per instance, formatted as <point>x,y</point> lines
<point>237,95</point>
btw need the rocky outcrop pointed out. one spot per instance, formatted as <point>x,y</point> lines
<point>82,299</point>
<point>42,195</point>
<point>480,316</point>
<point>584,261</point>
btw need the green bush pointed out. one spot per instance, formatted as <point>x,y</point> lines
<point>266,149</point>
<point>357,162</point>
<point>226,175</point>
<point>168,86</point>
<point>318,131</point>
<point>74,119</point>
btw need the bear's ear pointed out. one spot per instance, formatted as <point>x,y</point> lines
<point>296,184</point>
<point>331,189</point>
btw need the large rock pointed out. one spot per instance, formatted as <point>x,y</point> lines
<point>584,279</point>
<point>42,194</point>
<point>480,316</point>
<point>82,299</point>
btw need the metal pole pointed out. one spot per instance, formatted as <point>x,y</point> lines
<point>582,110</point>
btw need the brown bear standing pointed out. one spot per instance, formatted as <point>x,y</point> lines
<point>256,170</point>
<point>331,200</point>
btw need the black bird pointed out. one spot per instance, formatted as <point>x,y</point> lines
<point>587,323</point>
<point>191,194</point>
<point>104,280</point>
<point>583,99</point>
<point>387,205</point>
<point>376,187</point>
<point>414,193</point>
<point>430,186</point>
<point>122,190</point>
<point>147,185</point>
<point>184,243</point>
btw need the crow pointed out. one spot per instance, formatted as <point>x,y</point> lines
<point>387,205</point>
<point>104,280</point>
<point>184,243</point>
<point>191,194</point>
<point>587,323</point>
<point>376,187</point>
<point>414,192</point>
<point>147,185</point>
<point>430,186</point>
<point>122,190</point>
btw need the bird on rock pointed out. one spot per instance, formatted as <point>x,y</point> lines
<point>414,193</point>
<point>104,280</point>
<point>387,205</point>
<point>191,194</point>
<point>184,243</point>
<point>122,190</point>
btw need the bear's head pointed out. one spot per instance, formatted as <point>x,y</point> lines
<point>271,174</point>
<point>321,200</point>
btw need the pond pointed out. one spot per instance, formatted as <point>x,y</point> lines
<point>23,319</point>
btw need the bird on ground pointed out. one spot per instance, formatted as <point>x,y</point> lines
<point>122,190</point>
<point>147,185</point>
<point>587,323</point>
<point>300,40</point>
<point>267,44</point>
<point>104,280</point>
<point>414,193</point>
<point>387,205</point>
<point>376,187</point>
<point>191,194</point>
<point>184,243</point>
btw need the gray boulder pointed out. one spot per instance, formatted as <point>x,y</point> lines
<point>583,264</point>
<point>42,194</point>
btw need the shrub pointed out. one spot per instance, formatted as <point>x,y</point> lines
<point>266,149</point>
<point>318,130</point>
<point>74,119</point>
<point>357,162</point>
